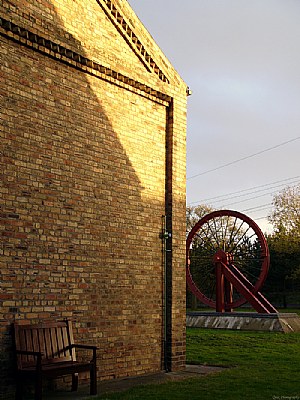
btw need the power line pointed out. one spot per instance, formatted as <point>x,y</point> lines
<point>260,208</point>
<point>257,219</point>
<point>237,194</point>
<point>248,199</point>
<point>253,198</point>
<point>245,200</point>
<point>244,158</point>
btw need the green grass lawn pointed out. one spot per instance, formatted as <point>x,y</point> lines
<point>262,366</point>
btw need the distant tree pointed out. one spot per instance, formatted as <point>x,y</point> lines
<point>285,217</point>
<point>284,245</point>
<point>283,282</point>
<point>195,213</point>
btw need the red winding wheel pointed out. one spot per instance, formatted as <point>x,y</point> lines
<point>235,243</point>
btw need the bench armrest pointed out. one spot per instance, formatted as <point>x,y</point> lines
<point>86,347</point>
<point>83,346</point>
<point>37,354</point>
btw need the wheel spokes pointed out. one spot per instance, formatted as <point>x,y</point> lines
<point>234,234</point>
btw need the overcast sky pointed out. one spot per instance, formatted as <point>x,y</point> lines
<point>241,59</point>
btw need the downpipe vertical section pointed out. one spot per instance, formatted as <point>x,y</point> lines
<point>165,235</point>
<point>167,239</point>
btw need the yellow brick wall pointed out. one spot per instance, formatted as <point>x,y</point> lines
<point>87,155</point>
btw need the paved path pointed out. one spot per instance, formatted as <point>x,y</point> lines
<point>117,385</point>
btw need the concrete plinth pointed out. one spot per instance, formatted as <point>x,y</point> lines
<point>280,322</point>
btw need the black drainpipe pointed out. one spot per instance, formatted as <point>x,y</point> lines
<point>167,242</point>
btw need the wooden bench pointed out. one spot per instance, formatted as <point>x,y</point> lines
<point>47,350</point>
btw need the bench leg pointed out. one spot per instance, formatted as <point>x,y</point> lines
<point>74,382</point>
<point>38,387</point>
<point>93,380</point>
<point>19,388</point>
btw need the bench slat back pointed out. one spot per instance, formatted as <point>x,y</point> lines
<point>52,339</point>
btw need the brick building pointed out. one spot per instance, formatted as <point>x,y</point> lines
<point>93,121</point>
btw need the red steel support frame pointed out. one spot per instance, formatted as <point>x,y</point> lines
<point>228,276</point>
